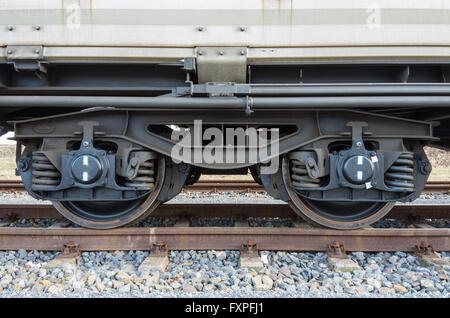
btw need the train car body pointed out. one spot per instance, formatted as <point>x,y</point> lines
<point>116,105</point>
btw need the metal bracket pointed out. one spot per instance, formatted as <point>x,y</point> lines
<point>248,105</point>
<point>221,64</point>
<point>136,160</point>
<point>88,129</point>
<point>214,89</point>
<point>336,250</point>
<point>189,64</point>
<point>71,249</point>
<point>8,219</point>
<point>24,52</point>
<point>28,58</point>
<point>159,249</point>
<point>249,248</point>
<point>357,129</point>
<point>425,249</point>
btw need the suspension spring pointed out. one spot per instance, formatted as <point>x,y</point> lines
<point>44,173</point>
<point>300,177</point>
<point>145,177</point>
<point>401,174</point>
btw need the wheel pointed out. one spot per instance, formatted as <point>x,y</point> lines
<point>194,174</point>
<point>254,171</point>
<point>334,214</point>
<point>112,214</point>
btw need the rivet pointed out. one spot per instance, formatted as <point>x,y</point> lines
<point>9,52</point>
<point>36,51</point>
<point>221,53</point>
<point>242,28</point>
<point>37,27</point>
<point>10,28</point>
<point>242,52</point>
<point>200,52</point>
<point>200,29</point>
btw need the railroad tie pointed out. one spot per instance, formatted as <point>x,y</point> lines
<point>182,222</point>
<point>298,222</point>
<point>68,257</point>
<point>241,221</point>
<point>249,257</point>
<point>158,259</point>
<point>426,255</point>
<point>60,224</point>
<point>338,260</point>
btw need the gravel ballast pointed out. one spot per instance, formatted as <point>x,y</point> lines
<point>216,273</point>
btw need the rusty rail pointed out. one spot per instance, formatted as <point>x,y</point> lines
<point>232,185</point>
<point>220,238</point>
<point>274,209</point>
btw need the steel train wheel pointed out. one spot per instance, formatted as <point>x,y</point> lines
<point>112,214</point>
<point>334,214</point>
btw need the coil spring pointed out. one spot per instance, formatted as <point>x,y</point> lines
<point>145,177</point>
<point>44,173</point>
<point>300,177</point>
<point>401,173</point>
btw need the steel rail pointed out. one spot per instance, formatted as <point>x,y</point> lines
<point>234,185</point>
<point>220,238</point>
<point>210,210</point>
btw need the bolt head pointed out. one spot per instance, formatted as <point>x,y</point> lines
<point>36,51</point>
<point>242,28</point>
<point>37,27</point>
<point>427,167</point>
<point>200,29</point>
<point>200,52</point>
<point>22,165</point>
<point>242,52</point>
<point>10,28</point>
<point>221,53</point>
<point>359,144</point>
<point>9,52</point>
<point>86,143</point>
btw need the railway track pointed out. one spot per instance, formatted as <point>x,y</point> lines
<point>220,185</point>
<point>181,236</point>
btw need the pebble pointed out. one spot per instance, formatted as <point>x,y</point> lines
<point>189,288</point>
<point>124,289</point>
<point>427,283</point>
<point>400,289</point>
<point>373,282</point>
<point>285,271</point>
